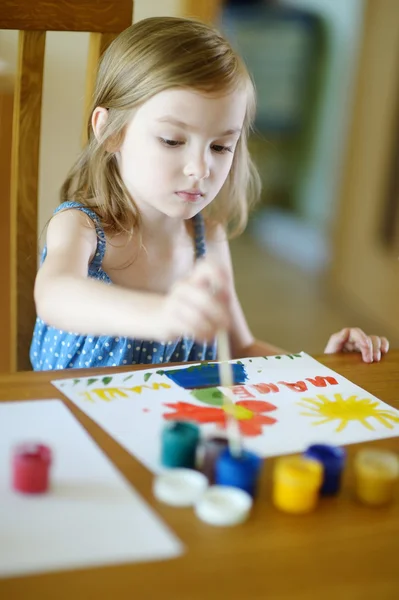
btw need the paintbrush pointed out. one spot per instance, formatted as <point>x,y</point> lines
<point>227,381</point>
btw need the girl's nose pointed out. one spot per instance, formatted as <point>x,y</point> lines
<point>198,168</point>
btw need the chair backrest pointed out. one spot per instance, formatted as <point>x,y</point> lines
<point>104,19</point>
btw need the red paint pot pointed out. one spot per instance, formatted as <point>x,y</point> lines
<point>30,468</point>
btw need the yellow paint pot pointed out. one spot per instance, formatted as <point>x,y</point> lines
<point>297,481</point>
<point>376,472</point>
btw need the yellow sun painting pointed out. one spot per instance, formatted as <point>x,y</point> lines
<point>346,410</point>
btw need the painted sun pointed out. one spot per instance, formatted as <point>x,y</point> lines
<point>346,410</point>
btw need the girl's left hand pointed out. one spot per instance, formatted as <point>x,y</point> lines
<point>353,339</point>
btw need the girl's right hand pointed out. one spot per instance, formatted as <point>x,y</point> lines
<point>197,306</point>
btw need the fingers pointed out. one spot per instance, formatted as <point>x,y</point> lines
<point>361,342</point>
<point>384,345</point>
<point>371,347</point>
<point>380,346</point>
<point>353,339</point>
<point>337,341</point>
<point>211,277</point>
<point>200,311</point>
<point>199,305</point>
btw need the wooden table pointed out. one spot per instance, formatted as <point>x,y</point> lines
<point>343,550</point>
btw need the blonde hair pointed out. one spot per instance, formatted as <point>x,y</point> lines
<point>151,56</point>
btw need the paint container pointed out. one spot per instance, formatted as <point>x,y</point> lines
<point>375,472</point>
<point>179,444</point>
<point>223,506</point>
<point>333,460</point>
<point>240,472</point>
<point>297,481</point>
<point>180,487</point>
<point>31,468</point>
<point>209,452</point>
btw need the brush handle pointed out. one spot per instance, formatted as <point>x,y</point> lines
<point>225,368</point>
<point>227,381</point>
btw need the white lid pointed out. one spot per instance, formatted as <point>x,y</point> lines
<point>223,505</point>
<point>180,487</point>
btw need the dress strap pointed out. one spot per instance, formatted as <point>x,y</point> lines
<point>199,232</point>
<point>101,239</point>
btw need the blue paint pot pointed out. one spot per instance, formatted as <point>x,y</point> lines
<point>179,442</point>
<point>242,472</point>
<point>333,460</point>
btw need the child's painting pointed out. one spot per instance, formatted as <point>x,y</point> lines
<point>282,404</point>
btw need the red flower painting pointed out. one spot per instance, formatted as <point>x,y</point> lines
<point>249,414</point>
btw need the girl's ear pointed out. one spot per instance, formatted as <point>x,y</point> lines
<point>98,120</point>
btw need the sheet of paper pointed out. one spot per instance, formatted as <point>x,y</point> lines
<point>92,516</point>
<point>283,404</point>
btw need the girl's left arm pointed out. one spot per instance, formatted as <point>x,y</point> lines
<point>243,343</point>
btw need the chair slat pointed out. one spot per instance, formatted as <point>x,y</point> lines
<point>24,192</point>
<point>104,19</point>
<point>206,10</point>
<point>102,16</point>
<point>6,110</point>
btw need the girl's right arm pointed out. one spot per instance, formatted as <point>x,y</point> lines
<point>66,298</point>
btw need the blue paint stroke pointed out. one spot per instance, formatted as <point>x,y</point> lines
<point>204,375</point>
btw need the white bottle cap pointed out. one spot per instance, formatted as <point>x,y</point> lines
<point>223,506</point>
<point>180,487</point>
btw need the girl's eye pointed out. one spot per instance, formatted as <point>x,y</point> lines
<point>221,149</point>
<point>171,143</point>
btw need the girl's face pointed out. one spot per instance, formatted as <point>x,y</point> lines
<point>178,149</point>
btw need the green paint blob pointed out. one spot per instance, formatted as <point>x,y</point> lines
<point>211,396</point>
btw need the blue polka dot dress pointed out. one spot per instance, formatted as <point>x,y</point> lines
<point>53,349</point>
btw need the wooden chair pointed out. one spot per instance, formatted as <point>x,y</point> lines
<point>104,19</point>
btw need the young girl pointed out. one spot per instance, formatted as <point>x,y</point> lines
<point>164,177</point>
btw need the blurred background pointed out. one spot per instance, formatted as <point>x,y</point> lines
<point>321,249</point>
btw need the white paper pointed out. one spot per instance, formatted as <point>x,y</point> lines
<point>131,407</point>
<point>91,516</point>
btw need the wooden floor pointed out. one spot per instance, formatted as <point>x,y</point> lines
<point>288,307</point>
